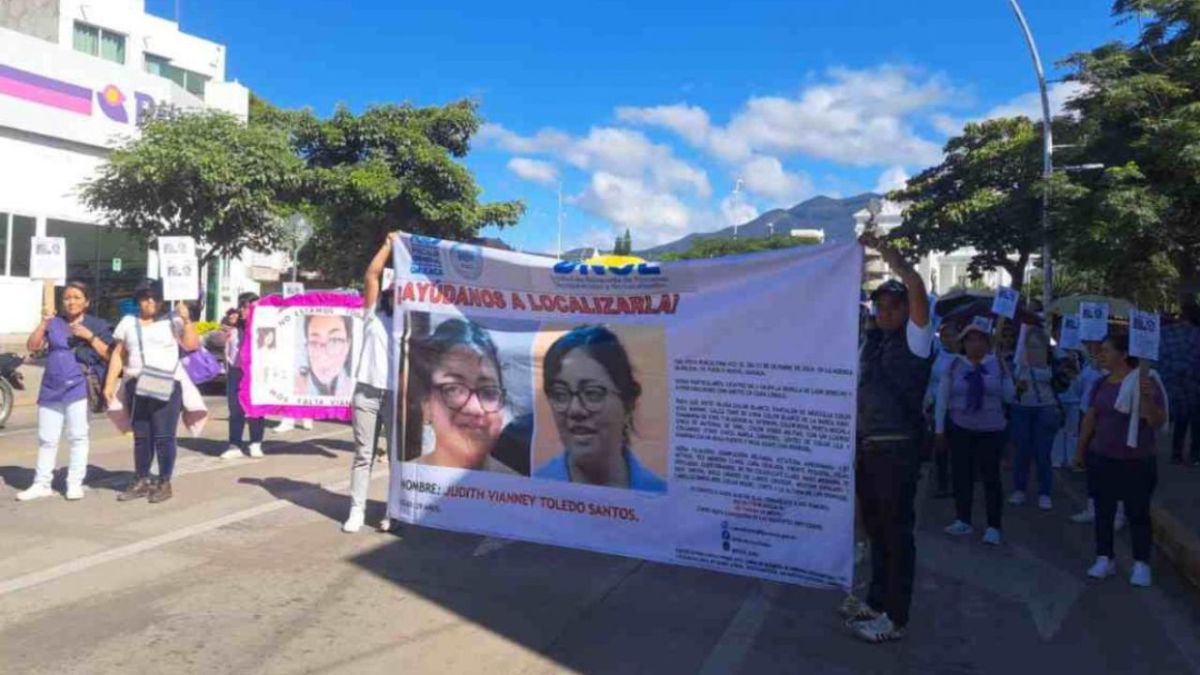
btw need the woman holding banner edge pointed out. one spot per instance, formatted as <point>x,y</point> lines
<point>374,384</point>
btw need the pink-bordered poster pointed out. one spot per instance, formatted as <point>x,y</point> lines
<point>301,355</point>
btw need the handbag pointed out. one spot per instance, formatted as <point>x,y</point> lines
<point>201,366</point>
<point>95,390</point>
<point>154,383</point>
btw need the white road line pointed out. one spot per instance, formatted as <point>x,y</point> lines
<point>121,552</point>
<point>739,636</point>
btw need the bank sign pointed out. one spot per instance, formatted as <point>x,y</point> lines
<point>110,100</point>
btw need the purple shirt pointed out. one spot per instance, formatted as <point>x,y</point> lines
<point>63,381</point>
<point>1112,427</point>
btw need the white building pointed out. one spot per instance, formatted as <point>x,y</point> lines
<point>77,77</point>
<point>816,235</point>
<point>940,271</point>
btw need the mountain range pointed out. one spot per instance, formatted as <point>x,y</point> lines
<point>835,216</point>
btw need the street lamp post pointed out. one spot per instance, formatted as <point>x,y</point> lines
<point>1047,159</point>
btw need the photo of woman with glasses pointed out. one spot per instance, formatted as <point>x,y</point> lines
<point>328,340</point>
<point>593,392</point>
<point>456,384</point>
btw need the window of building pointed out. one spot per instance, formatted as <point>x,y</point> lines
<point>21,230</point>
<point>191,81</point>
<point>3,244</point>
<point>91,251</point>
<point>97,41</point>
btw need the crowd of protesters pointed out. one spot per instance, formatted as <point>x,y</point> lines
<point>978,394</point>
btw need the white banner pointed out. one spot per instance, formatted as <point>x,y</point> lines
<point>179,268</point>
<point>1144,335</point>
<point>48,258</point>
<point>700,413</point>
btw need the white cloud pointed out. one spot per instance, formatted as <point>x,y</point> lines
<point>853,117</point>
<point>766,176</point>
<point>620,152</point>
<point>735,211</point>
<point>1026,105</point>
<point>893,178</point>
<point>533,170</point>
<point>690,122</point>
<point>655,216</point>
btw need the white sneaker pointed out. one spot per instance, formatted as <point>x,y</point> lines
<point>879,629</point>
<point>355,522</point>
<point>306,425</point>
<point>284,427</point>
<point>74,492</point>
<point>234,452</point>
<point>385,525</point>
<point>1084,517</point>
<point>1103,568</point>
<point>992,536</point>
<point>958,529</point>
<point>256,450</point>
<point>1017,498</point>
<point>1045,503</point>
<point>1141,575</point>
<point>35,491</point>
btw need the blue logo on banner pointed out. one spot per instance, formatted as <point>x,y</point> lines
<point>426,256</point>
<point>467,260</point>
<point>584,269</point>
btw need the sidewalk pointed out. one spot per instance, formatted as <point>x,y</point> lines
<point>1176,514</point>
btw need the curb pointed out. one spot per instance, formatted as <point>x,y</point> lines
<point>1180,544</point>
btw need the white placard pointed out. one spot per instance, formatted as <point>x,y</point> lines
<point>1005,302</point>
<point>1069,336</point>
<point>48,258</point>
<point>179,268</point>
<point>1144,335</point>
<point>733,421</point>
<point>1093,321</point>
<point>291,288</point>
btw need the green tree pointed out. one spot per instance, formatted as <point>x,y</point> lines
<point>1140,115</point>
<point>203,175</point>
<point>624,244</point>
<point>718,247</point>
<point>986,194</point>
<point>392,167</point>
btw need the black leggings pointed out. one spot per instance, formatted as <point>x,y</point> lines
<point>972,451</point>
<point>154,424</point>
<point>1131,481</point>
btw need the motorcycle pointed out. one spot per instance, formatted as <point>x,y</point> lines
<point>10,381</point>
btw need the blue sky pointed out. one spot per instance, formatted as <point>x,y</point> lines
<point>648,112</point>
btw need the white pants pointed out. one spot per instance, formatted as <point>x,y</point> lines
<point>1067,438</point>
<point>51,419</point>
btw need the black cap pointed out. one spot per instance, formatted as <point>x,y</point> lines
<point>890,287</point>
<point>148,287</point>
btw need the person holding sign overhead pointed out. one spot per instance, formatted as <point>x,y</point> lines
<point>76,343</point>
<point>1118,438</point>
<point>375,384</point>
<point>147,345</point>
<point>894,366</point>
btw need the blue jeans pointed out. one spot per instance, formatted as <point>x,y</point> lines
<point>154,424</point>
<point>237,416</point>
<point>1033,429</point>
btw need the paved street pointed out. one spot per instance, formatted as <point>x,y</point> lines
<point>246,571</point>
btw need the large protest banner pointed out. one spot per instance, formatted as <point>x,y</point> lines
<point>300,355</point>
<point>700,413</point>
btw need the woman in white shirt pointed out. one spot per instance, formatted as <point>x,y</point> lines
<point>147,346</point>
<point>375,382</point>
<point>1036,417</point>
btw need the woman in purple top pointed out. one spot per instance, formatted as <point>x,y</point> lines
<point>77,343</point>
<point>1121,471</point>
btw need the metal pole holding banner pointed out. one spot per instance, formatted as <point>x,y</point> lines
<point>1047,157</point>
